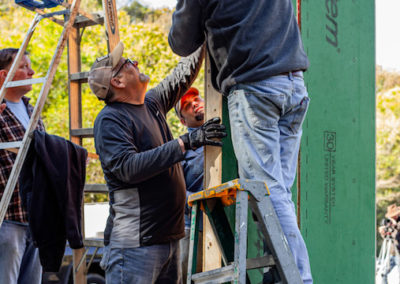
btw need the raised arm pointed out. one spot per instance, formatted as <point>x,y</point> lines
<point>174,86</point>
<point>187,30</point>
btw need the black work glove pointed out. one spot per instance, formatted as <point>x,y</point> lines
<point>202,135</point>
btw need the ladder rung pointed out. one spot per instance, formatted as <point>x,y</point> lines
<point>83,21</point>
<point>10,145</point>
<point>96,188</point>
<point>52,14</point>
<point>82,132</point>
<point>25,82</point>
<point>220,275</point>
<point>93,243</point>
<point>259,262</point>
<point>81,76</point>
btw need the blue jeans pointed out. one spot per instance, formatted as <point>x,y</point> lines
<point>143,265</point>
<point>266,119</point>
<point>19,259</point>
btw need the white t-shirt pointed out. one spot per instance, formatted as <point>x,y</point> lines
<point>20,111</point>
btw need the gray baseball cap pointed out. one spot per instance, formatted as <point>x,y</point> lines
<point>100,74</point>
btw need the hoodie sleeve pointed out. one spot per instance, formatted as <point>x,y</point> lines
<point>174,86</point>
<point>187,30</point>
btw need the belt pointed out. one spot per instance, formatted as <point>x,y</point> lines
<point>297,73</point>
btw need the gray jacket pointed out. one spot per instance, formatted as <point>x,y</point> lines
<point>248,40</point>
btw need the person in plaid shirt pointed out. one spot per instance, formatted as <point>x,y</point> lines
<point>19,258</point>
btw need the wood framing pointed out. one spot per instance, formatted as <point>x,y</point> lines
<point>111,21</point>
<point>212,171</point>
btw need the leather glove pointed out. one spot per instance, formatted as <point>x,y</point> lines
<point>202,135</point>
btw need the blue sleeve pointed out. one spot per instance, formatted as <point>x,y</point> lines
<point>187,30</point>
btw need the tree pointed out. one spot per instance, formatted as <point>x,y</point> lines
<point>386,80</point>
<point>145,42</point>
<point>387,142</point>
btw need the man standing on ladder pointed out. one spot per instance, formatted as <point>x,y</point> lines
<point>19,258</point>
<point>140,161</point>
<point>257,61</point>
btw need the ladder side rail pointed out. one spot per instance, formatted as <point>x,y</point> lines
<point>241,235</point>
<point>12,180</point>
<point>192,257</point>
<point>19,55</point>
<point>275,239</point>
<point>50,16</point>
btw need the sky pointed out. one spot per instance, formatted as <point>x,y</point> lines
<point>387,34</point>
<point>159,3</point>
<point>387,30</point>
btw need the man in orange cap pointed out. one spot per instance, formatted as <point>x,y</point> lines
<point>190,110</point>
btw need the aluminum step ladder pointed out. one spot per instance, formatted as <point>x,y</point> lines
<point>23,145</point>
<point>74,22</point>
<point>233,245</point>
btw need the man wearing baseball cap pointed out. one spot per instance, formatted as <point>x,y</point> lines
<point>190,111</point>
<point>140,160</point>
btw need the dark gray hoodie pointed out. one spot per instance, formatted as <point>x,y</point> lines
<point>248,40</point>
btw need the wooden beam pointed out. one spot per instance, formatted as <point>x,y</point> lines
<point>79,276</point>
<point>111,22</point>
<point>74,66</point>
<point>75,121</point>
<point>212,171</point>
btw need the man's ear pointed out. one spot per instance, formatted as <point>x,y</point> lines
<point>3,76</point>
<point>116,83</point>
<point>183,121</point>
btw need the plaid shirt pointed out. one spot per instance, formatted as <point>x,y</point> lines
<point>12,130</point>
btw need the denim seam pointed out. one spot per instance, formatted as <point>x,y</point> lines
<point>121,266</point>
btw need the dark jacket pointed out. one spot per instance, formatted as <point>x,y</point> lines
<point>139,155</point>
<point>53,178</point>
<point>193,169</point>
<point>248,40</point>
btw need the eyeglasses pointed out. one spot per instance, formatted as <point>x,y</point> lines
<point>120,68</point>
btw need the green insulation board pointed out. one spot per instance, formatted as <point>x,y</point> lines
<point>337,177</point>
<point>337,164</point>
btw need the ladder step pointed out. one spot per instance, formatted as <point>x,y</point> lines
<point>223,274</point>
<point>93,243</point>
<point>82,132</point>
<point>12,84</point>
<point>259,262</point>
<point>10,145</point>
<point>80,76</point>
<point>220,275</point>
<point>52,14</point>
<point>96,188</point>
<point>83,21</point>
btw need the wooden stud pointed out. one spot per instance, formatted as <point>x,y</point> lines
<point>111,22</point>
<point>75,121</point>
<point>75,101</point>
<point>212,171</point>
